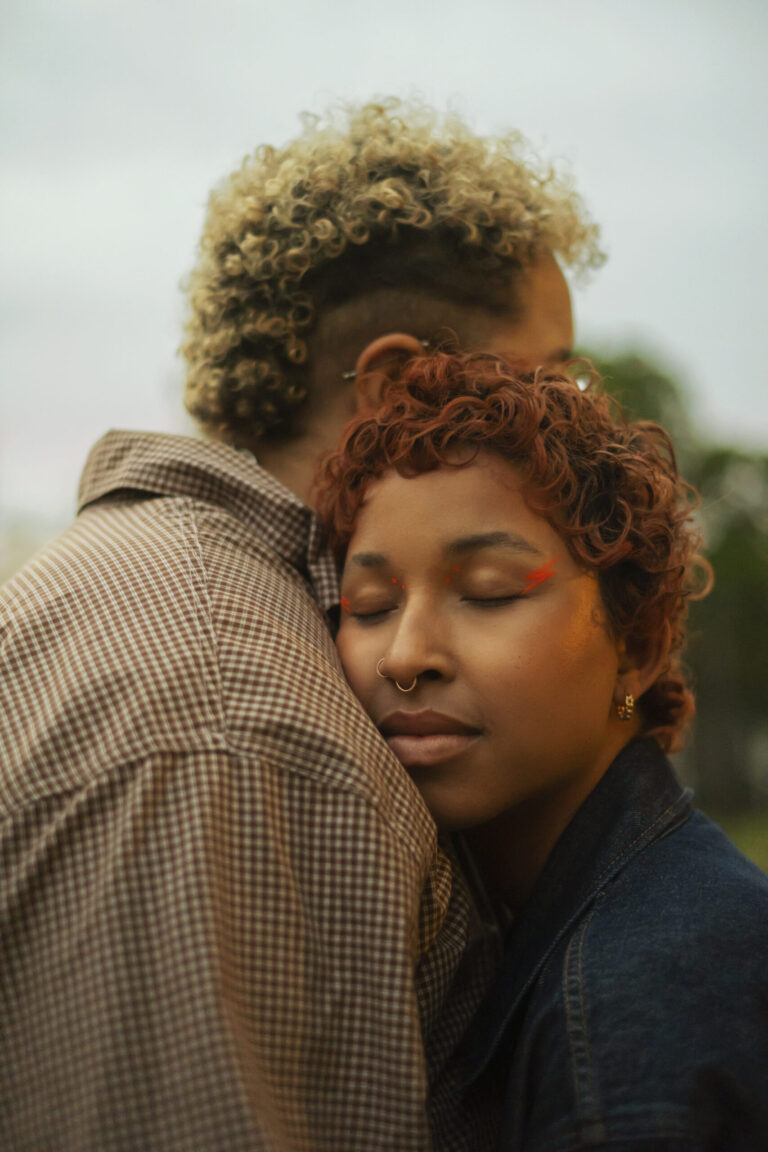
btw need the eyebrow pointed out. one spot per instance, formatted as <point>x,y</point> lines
<point>460,547</point>
<point>368,560</point>
<point>509,540</point>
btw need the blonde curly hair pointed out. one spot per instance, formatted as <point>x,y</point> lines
<point>366,182</point>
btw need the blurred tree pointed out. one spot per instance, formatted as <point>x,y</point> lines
<point>729,646</point>
<point>728,651</point>
<point>646,392</point>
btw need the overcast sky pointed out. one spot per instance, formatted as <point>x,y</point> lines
<point>117,116</point>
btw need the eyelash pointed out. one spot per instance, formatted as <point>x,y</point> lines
<point>491,601</point>
<point>370,617</point>
<point>479,601</point>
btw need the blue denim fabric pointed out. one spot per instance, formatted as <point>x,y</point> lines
<point>635,982</point>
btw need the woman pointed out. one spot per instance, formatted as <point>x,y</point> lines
<point>517,563</point>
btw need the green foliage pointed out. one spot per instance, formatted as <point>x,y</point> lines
<point>749,832</point>
<point>645,392</point>
<point>728,650</point>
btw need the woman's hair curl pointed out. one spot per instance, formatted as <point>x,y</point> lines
<point>610,488</point>
<point>377,175</point>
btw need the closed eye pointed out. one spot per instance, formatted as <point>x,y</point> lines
<point>371,617</point>
<point>490,601</point>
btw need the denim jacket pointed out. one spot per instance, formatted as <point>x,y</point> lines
<point>632,1009</point>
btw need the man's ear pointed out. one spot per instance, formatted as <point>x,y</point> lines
<point>640,665</point>
<point>378,364</point>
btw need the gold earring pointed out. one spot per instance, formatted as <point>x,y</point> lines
<point>626,709</point>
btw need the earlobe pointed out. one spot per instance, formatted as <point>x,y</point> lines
<point>640,666</point>
<point>379,362</point>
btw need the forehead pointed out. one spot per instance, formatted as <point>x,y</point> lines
<point>428,512</point>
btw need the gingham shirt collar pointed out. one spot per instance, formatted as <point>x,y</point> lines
<point>169,465</point>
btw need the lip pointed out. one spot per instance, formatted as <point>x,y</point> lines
<point>427,737</point>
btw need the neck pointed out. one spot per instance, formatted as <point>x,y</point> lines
<point>291,466</point>
<point>294,462</point>
<point>511,850</point>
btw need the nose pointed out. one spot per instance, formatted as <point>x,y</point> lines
<point>419,649</point>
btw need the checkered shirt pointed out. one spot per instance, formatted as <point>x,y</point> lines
<point>225,922</point>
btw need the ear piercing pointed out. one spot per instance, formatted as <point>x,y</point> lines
<point>399,687</point>
<point>351,374</point>
<point>625,710</point>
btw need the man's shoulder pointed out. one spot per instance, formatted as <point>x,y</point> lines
<point>105,657</point>
<point>148,563</point>
<point>166,623</point>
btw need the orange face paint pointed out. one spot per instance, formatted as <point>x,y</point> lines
<point>539,575</point>
<point>345,604</point>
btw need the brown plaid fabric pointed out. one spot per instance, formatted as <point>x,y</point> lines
<point>216,883</point>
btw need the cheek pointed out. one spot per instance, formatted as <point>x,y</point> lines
<point>357,660</point>
<point>583,692</point>
<point>559,670</point>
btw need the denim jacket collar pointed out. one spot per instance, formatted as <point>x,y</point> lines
<point>636,802</point>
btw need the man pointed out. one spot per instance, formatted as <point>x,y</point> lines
<point>225,922</point>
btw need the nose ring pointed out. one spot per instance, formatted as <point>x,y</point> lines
<point>410,688</point>
<point>399,687</point>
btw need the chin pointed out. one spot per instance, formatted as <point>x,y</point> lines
<point>451,814</point>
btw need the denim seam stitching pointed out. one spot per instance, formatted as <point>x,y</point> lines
<point>578,1035</point>
<point>646,832</point>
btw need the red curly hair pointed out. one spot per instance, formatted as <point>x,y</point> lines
<point>610,488</point>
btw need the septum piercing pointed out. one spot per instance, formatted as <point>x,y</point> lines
<point>410,689</point>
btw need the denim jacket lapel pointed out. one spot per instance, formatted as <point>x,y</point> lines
<point>637,801</point>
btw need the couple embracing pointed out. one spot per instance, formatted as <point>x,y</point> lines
<point>354,829</point>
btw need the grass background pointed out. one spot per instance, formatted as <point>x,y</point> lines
<point>749,832</point>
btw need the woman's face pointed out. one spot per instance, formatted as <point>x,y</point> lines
<point>451,579</point>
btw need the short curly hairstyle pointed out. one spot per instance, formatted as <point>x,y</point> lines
<point>348,191</point>
<point>608,487</point>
